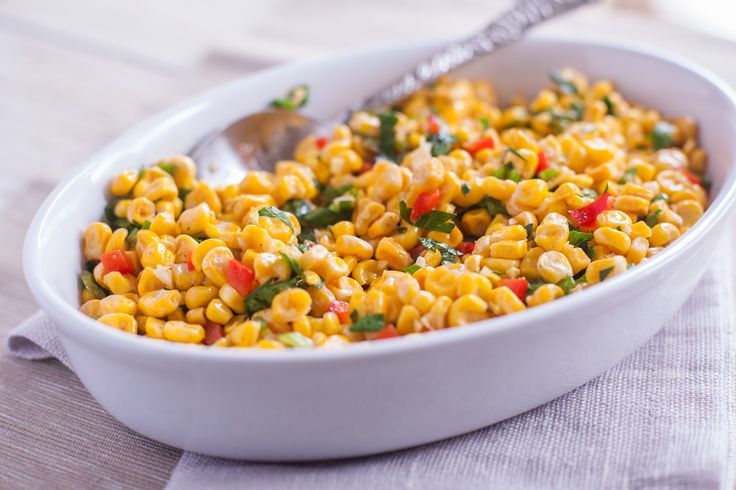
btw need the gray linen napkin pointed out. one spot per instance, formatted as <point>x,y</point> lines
<point>663,418</point>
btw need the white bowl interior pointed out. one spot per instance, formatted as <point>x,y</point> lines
<point>519,69</point>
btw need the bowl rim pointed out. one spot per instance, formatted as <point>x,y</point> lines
<point>83,327</point>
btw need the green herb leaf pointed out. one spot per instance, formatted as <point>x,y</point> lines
<point>485,123</point>
<point>578,238</point>
<point>298,207</point>
<point>566,86</point>
<point>515,152</point>
<point>567,284</point>
<point>493,206</point>
<point>302,247</point>
<point>653,218</point>
<point>295,340</point>
<point>296,268</point>
<point>387,135</point>
<point>370,323</point>
<point>405,212</point>
<point>449,255</point>
<point>436,221</point>
<point>529,230</point>
<point>89,283</point>
<point>412,268</point>
<point>183,193</point>
<point>534,285</point>
<point>548,174</point>
<point>276,213</point>
<point>661,197</point>
<point>465,189</point>
<point>330,193</point>
<point>132,237</point>
<point>261,297</point>
<point>661,135</point>
<point>610,106</point>
<point>628,176</point>
<point>167,167</point>
<point>324,217</point>
<point>603,274</point>
<point>441,143</point>
<point>295,99</point>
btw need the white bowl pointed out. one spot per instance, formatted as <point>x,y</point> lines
<point>380,396</point>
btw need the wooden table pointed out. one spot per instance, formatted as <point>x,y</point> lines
<point>69,83</point>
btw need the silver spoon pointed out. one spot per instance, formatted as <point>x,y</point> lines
<point>258,141</point>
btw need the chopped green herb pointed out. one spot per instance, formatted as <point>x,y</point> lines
<point>661,197</point>
<point>298,207</point>
<point>405,212</point>
<point>330,193</point>
<point>449,255</point>
<point>295,99</point>
<point>441,143</point>
<point>323,217</point>
<point>261,297</point>
<point>662,135</point>
<point>167,167</point>
<point>412,268</point>
<point>295,340</point>
<point>500,173</point>
<point>370,323</point>
<point>493,206</point>
<point>529,229</point>
<point>89,283</point>
<point>653,218</point>
<point>484,122</point>
<point>183,193</point>
<point>628,176</point>
<point>401,229</point>
<point>436,221</point>
<point>578,238</point>
<point>302,247</point>
<point>465,188</point>
<point>132,237</point>
<point>534,285</point>
<point>387,135</point>
<point>610,106</point>
<point>548,174</point>
<point>565,85</point>
<point>515,152</point>
<point>513,175</point>
<point>91,264</point>
<point>296,269</point>
<point>603,274</point>
<point>567,284</point>
<point>276,213</point>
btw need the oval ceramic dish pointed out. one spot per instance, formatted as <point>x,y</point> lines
<point>375,396</point>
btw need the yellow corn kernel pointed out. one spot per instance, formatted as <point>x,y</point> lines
<point>544,294</point>
<point>576,256</point>
<point>201,250</point>
<point>423,301</point>
<point>123,183</point>
<point>530,192</point>
<point>117,283</point>
<point>184,170</point>
<point>302,326</point>
<point>256,182</point>
<point>352,245</point>
<point>393,253</point>
<point>141,210</point>
<point>202,193</point>
<point>640,229</point>
<point>152,327</point>
<point>407,321</point>
<point>197,315</point>
<point>269,344</point>
<point>598,151</point>
<point>214,265</point>
<point>164,224</point>
<point>331,324</point>
<point>91,308</point>
<point>553,266</point>
<point>503,301</point>
<point>602,269</point>
<point>500,265</point>
<point>95,240</point>
<point>689,210</point>
<point>162,188</point>
<point>441,281</point>
<point>632,204</point>
<point>453,239</point>
<point>217,311</point>
<point>342,228</point>
<point>663,234</point>
<point>436,317</point>
<point>508,249</point>
<point>187,333</point>
<point>121,321</point>
<point>245,334</point>
<point>528,265</point>
<point>431,258</point>
<point>199,296</point>
<point>367,212</point>
<point>366,271</point>
<point>467,308</point>
<point>234,300</point>
<point>475,222</point>
<point>638,250</point>
<point>159,303</point>
<point>290,304</point>
<point>156,254</point>
<point>117,240</point>
<point>117,303</point>
<point>196,220</point>
<point>552,235</point>
<point>384,225</point>
<point>616,241</point>
<point>613,219</point>
<point>176,315</point>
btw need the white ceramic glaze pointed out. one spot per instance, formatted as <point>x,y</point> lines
<point>379,396</point>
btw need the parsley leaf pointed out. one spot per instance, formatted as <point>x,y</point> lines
<point>493,206</point>
<point>661,197</point>
<point>529,229</point>
<point>261,297</point>
<point>485,123</point>
<point>441,143</point>
<point>330,193</point>
<point>89,283</point>
<point>276,213</point>
<point>295,99</point>
<point>603,274</point>
<point>628,176</point>
<point>296,269</point>
<point>412,268</point>
<point>653,218</point>
<point>661,135</point>
<point>578,238</point>
<point>465,189</point>
<point>167,167</point>
<point>548,174</point>
<point>295,340</point>
<point>436,221</point>
<point>449,255</point>
<point>370,323</point>
<point>565,85</point>
<point>516,152</point>
<point>387,136</point>
<point>567,284</point>
<point>610,106</point>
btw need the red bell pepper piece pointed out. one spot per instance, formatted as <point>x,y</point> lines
<point>543,163</point>
<point>433,125</point>
<point>425,202</point>
<point>415,251</point>
<point>116,261</point>
<point>481,144</point>
<point>466,247</point>
<point>691,177</point>
<point>388,332</point>
<point>341,309</point>
<point>519,286</point>
<point>212,333</point>
<point>240,276</point>
<point>321,142</point>
<point>190,264</point>
<point>584,217</point>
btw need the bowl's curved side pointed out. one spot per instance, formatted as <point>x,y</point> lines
<point>312,405</point>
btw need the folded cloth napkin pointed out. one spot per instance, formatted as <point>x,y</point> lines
<point>663,418</point>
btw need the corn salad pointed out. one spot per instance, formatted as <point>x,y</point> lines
<point>443,211</point>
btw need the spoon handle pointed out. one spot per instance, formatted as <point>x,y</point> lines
<point>507,28</point>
